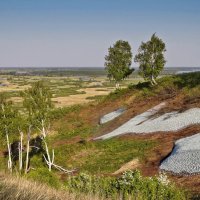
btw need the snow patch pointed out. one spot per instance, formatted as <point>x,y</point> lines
<point>145,123</point>
<point>185,157</point>
<point>110,116</point>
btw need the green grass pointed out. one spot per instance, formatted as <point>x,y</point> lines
<point>63,92</point>
<point>96,97</point>
<point>43,175</point>
<point>131,185</point>
<point>107,156</point>
<point>101,156</point>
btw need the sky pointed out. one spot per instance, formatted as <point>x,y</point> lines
<point>78,33</point>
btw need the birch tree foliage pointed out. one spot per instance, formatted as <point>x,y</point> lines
<point>9,121</point>
<point>151,58</point>
<point>118,61</point>
<point>9,117</point>
<point>37,101</point>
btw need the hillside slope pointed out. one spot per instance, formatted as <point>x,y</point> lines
<point>76,130</point>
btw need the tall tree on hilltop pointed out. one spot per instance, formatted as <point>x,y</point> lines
<point>151,58</point>
<point>118,61</point>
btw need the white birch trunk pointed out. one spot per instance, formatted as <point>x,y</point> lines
<point>8,143</point>
<point>9,153</point>
<point>117,85</point>
<point>21,151</point>
<point>27,157</point>
<point>50,162</point>
<point>48,159</point>
<point>27,150</point>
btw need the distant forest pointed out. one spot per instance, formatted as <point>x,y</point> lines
<point>76,71</point>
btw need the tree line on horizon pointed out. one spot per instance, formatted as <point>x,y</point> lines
<point>150,58</point>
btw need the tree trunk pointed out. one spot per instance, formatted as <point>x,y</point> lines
<point>27,150</point>
<point>9,153</point>
<point>21,152</point>
<point>117,85</point>
<point>153,81</point>
<point>48,156</point>
<point>27,157</point>
<point>8,142</point>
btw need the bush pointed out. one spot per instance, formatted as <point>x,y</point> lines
<point>57,113</point>
<point>130,185</point>
<point>43,175</point>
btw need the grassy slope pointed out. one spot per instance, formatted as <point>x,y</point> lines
<point>12,187</point>
<point>73,145</point>
<point>74,127</point>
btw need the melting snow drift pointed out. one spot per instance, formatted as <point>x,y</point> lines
<point>145,123</point>
<point>112,115</point>
<point>185,157</point>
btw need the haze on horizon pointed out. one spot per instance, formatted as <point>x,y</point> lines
<point>79,32</point>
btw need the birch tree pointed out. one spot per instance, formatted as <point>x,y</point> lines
<point>8,123</point>
<point>37,101</point>
<point>118,62</point>
<point>151,58</point>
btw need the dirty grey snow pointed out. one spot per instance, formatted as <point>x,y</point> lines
<point>145,123</point>
<point>110,116</point>
<point>185,157</point>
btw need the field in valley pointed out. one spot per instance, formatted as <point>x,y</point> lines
<point>67,89</point>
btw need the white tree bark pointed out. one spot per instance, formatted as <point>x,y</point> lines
<point>9,152</point>
<point>8,142</point>
<point>21,151</point>
<point>48,159</point>
<point>153,81</point>
<point>117,86</point>
<point>27,150</point>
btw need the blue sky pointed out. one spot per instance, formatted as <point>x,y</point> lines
<point>79,32</point>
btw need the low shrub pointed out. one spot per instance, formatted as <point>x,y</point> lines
<point>131,185</point>
<point>43,175</point>
<point>57,113</point>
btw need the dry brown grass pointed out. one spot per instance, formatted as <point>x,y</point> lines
<point>16,188</point>
<point>80,98</point>
<point>131,165</point>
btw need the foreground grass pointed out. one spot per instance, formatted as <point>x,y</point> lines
<point>16,188</point>
<point>85,187</point>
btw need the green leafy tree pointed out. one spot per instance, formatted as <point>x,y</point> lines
<point>37,101</point>
<point>151,58</point>
<point>118,61</point>
<point>9,122</point>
